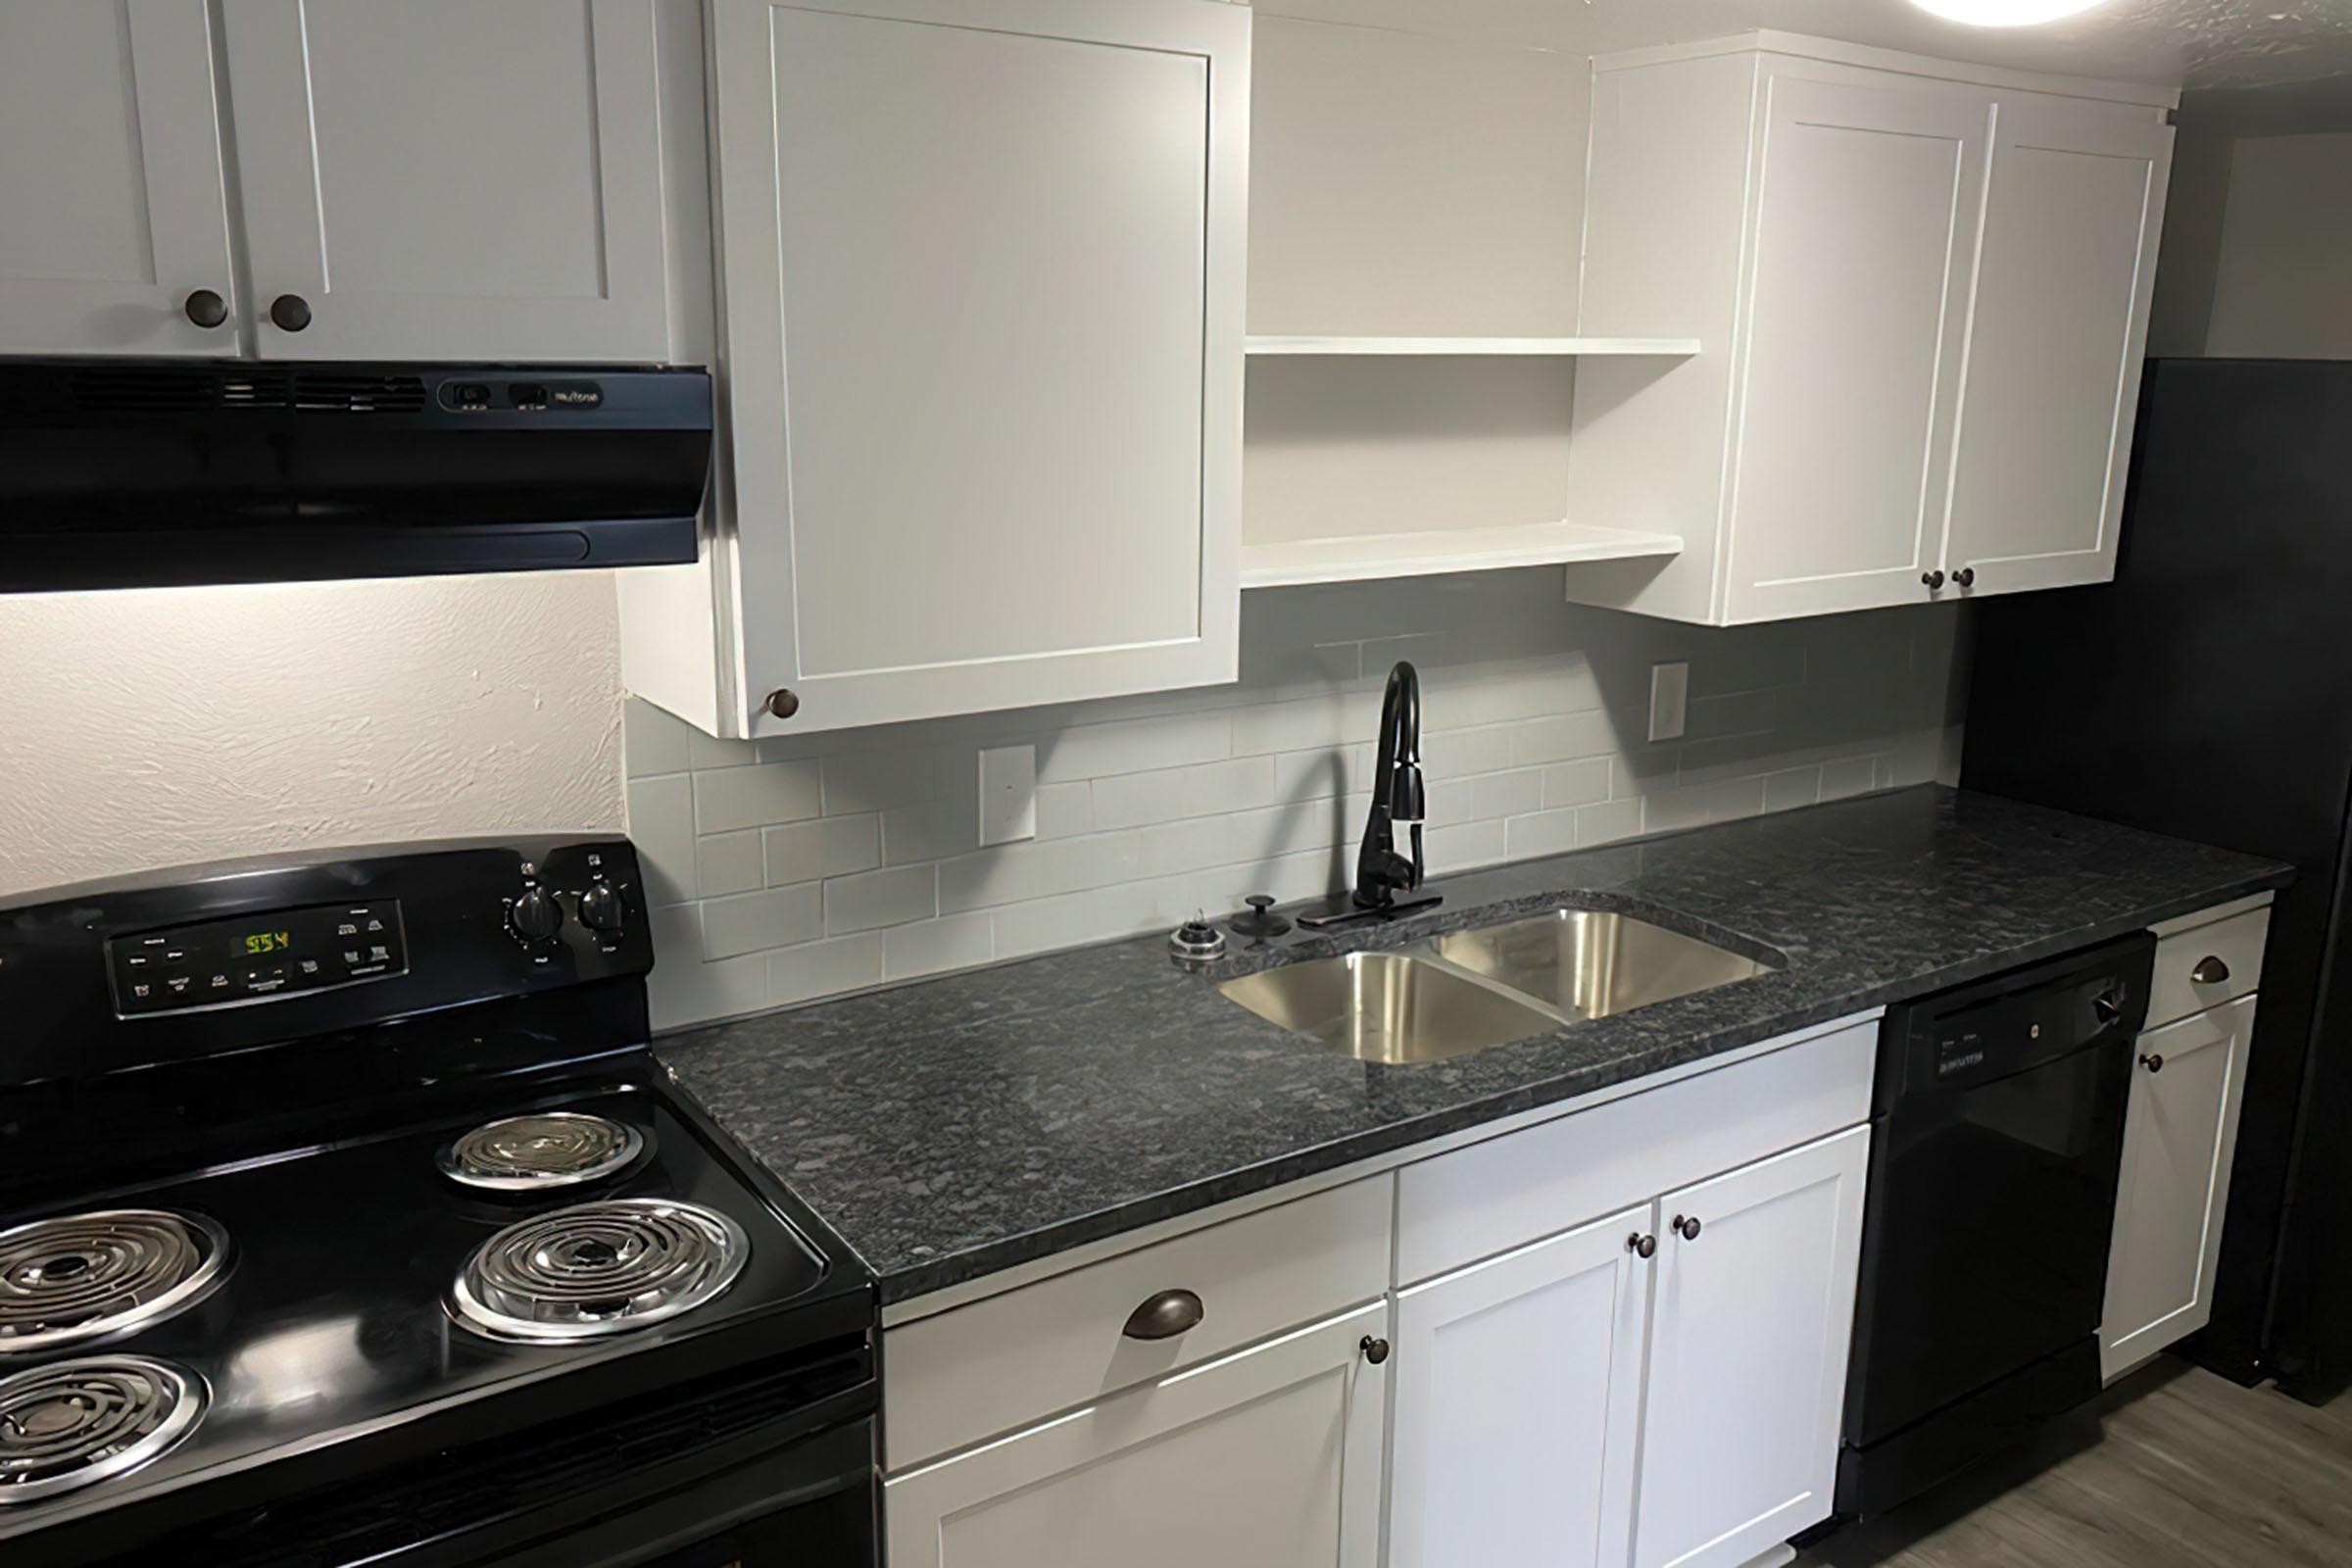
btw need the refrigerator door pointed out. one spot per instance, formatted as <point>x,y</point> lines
<point>2208,693</point>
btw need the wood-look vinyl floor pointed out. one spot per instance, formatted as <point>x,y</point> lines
<point>2171,1468</point>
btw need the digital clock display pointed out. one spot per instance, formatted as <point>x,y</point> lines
<point>256,943</point>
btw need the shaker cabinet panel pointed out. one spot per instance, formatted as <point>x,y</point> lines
<point>2179,1136</point>
<point>1518,1399</point>
<point>1750,1323</point>
<point>112,205</point>
<point>447,179</point>
<point>2073,204</point>
<point>983,300</point>
<point>1853,343</point>
<point>1266,1460</point>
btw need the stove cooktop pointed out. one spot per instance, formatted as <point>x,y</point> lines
<point>344,1299</point>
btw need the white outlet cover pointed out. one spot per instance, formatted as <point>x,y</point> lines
<point>1008,793</point>
<point>1669,701</point>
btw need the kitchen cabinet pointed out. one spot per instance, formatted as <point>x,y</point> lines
<point>1267,1458</point>
<point>1518,1403</point>
<point>435,180</point>
<point>2065,271</point>
<point>1920,291</point>
<point>101,250</point>
<point>1748,1351</point>
<point>1569,1380</point>
<point>2180,1136</point>
<point>445,179</point>
<point>983,267</point>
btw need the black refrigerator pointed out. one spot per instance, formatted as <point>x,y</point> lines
<point>2207,692</point>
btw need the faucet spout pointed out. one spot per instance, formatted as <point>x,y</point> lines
<point>1398,798</point>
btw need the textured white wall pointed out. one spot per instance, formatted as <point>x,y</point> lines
<point>160,727</point>
<point>2283,285</point>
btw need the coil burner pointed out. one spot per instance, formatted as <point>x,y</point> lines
<point>75,1276</point>
<point>72,1424</point>
<point>548,1150</point>
<point>599,1269</point>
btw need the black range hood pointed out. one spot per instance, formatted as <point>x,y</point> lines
<point>123,473</point>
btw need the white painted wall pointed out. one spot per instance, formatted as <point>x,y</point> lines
<point>788,869</point>
<point>160,727</point>
<point>2283,285</point>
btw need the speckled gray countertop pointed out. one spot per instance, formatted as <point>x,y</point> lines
<point>954,1127</point>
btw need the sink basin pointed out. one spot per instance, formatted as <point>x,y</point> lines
<point>1388,1006</point>
<point>1590,963</point>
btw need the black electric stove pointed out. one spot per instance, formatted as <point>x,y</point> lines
<point>345,1218</point>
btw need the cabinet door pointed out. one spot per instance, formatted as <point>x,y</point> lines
<point>1748,1339</point>
<point>448,179</point>
<point>2179,1136</point>
<point>2074,203</point>
<point>1864,215</point>
<point>1269,1458</point>
<point>1518,1395</point>
<point>984,272</point>
<point>112,204</point>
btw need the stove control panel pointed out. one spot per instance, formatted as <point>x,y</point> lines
<point>256,958</point>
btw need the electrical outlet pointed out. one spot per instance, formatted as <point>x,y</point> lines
<point>1669,701</point>
<point>1008,793</point>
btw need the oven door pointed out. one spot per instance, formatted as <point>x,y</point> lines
<point>812,1507</point>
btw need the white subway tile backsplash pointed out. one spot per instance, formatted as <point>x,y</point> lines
<point>874,899</point>
<point>1576,783</point>
<point>1091,751</point>
<point>930,946</point>
<point>824,968</point>
<point>773,917</point>
<point>877,781</point>
<point>754,795</point>
<point>1065,811</point>
<point>662,821</point>
<point>1563,737</point>
<point>657,742</point>
<point>822,846</point>
<point>1036,870</point>
<point>1152,807</point>
<point>729,862</point>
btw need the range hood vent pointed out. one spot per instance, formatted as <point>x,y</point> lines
<point>142,472</point>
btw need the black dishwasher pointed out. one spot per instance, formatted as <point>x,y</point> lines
<point>1996,1142</point>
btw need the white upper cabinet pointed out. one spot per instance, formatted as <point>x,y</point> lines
<point>983,266</point>
<point>443,178</point>
<point>1847,374</point>
<point>1920,291</point>
<point>2063,276</point>
<point>112,208</point>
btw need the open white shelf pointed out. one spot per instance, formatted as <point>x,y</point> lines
<point>1663,346</point>
<point>1354,556</point>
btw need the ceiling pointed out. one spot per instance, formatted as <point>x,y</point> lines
<point>2196,43</point>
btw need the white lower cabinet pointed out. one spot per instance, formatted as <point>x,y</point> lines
<point>1518,1402</point>
<point>1575,1403</point>
<point>1753,1315</point>
<point>1268,1459</point>
<point>2179,1136</point>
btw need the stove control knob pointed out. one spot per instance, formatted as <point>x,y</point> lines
<point>537,917</point>
<point>601,908</point>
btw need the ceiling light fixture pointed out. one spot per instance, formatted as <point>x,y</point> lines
<point>2004,12</point>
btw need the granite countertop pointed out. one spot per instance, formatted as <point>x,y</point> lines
<point>954,1127</point>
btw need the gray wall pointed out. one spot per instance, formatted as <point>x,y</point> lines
<point>2257,250</point>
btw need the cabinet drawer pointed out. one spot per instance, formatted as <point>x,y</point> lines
<point>2229,953</point>
<point>1491,1196</point>
<point>1011,1360</point>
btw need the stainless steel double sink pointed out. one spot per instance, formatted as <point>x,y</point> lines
<point>1449,994</point>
